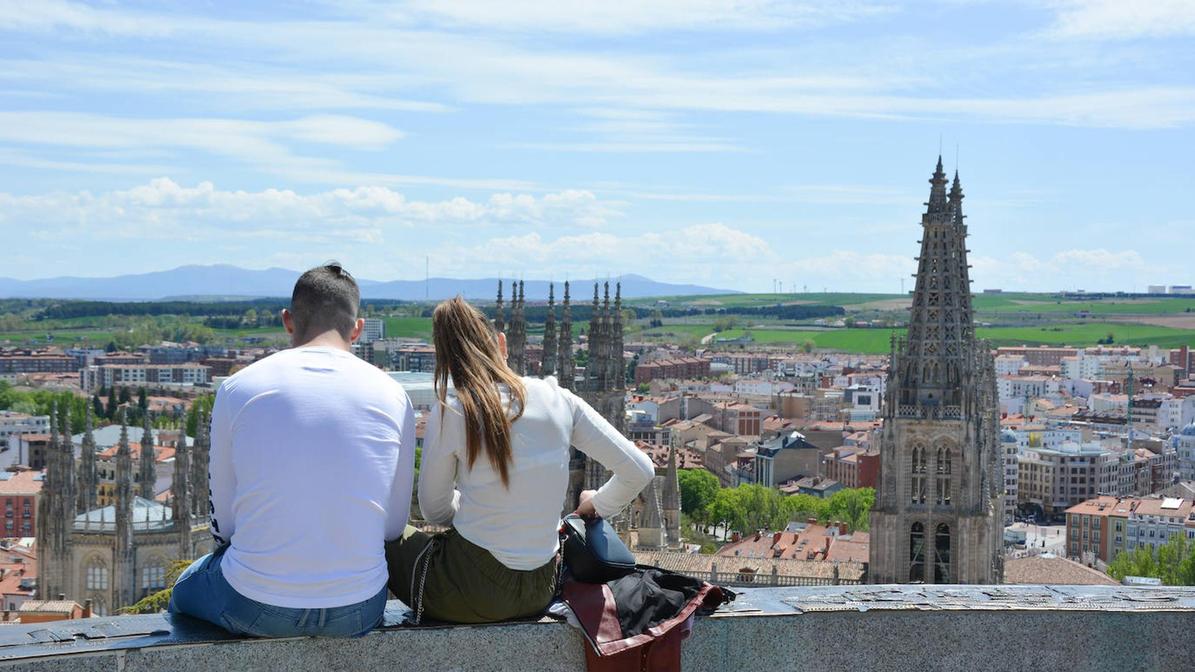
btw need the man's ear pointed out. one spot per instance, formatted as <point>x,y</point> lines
<point>358,327</point>
<point>288,321</point>
<point>502,345</point>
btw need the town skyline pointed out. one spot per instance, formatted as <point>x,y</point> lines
<point>719,143</point>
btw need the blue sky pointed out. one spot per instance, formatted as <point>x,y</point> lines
<point>729,143</point>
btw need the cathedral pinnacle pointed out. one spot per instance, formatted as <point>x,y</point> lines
<point>937,193</point>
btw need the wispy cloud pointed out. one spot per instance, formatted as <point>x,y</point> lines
<point>1121,19</point>
<point>629,16</point>
<point>163,208</point>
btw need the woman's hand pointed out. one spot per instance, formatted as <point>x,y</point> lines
<point>585,506</point>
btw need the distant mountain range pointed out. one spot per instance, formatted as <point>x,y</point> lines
<point>230,282</point>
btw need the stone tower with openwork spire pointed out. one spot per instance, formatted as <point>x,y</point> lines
<point>55,516</point>
<point>87,482</point>
<point>566,364</point>
<point>181,498</point>
<point>123,553</point>
<point>200,489</point>
<point>147,469</point>
<point>548,361</point>
<point>499,311</point>
<point>516,341</point>
<point>937,513</point>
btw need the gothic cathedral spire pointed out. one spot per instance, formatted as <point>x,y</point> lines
<point>935,519</point>
<point>88,480</point>
<point>548,365</point>
<point>181,498</point>
<point>565,347</point>
<point>123,553</point>
<point>147,472</point>
<point>55,516</point>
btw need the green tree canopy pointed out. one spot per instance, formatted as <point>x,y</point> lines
<point>697,489</point>
<point>1173,563</point>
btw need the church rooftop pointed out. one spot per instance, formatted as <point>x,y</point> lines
<point>146,515</point>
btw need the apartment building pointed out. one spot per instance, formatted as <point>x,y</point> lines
<point>142,375</point>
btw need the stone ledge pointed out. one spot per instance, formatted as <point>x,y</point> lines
<point>885,628</point>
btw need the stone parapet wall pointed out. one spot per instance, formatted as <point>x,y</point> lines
<point>886,628</point>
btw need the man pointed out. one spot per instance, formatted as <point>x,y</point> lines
<point>312,462</point>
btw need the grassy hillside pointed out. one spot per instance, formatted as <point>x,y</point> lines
<point>876,341</point>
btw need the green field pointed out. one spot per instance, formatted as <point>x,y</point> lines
<point>876,341</point>
<point>754,300</point>
<point>1005,302</point>
<point>99,337</point>
<point>1105,307</point>
<point>409,327</point>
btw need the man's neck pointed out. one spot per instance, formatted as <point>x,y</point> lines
<point>328,339</point>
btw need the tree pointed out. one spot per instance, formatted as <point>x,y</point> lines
<point>125,396</point>
<point>808,345</point>
<point>698,488</point>
<point>142,399</point>
<point>112,403</point>
<point>1173,563</point>
<point>156,602</point>
<point>97,406</point>
<point>204,404</point>
<point>851,506</point>
<point>801,507</point>
<point>725,323</point>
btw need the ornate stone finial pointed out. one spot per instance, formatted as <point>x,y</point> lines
<point>499,310</point>
<point>147,474</point>
<point>956,200</point>
<point>937,194</point>
<point>54,424</point>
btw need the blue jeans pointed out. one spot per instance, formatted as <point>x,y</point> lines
<point>202,592</point>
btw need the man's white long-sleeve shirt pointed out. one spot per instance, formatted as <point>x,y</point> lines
<point>518,525</point>
<point>312,461</point>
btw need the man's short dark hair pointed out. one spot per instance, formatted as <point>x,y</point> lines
<point>326,297</point>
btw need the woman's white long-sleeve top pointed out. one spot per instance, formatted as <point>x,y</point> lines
<point>519,524</point>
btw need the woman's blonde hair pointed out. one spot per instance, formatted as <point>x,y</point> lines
<point>467,350</point>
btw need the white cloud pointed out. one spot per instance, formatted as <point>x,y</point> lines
<point>164,209</point>
<point>238,137</point>
<point>713,254</point>
<point>1124,19</point>
<point>1094,269</point>
<point>50,15</point>
<point>632,16</point>
<point>236,86</point>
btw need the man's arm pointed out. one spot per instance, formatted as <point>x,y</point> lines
<point>438,496</point>
<point>404,474</point>
<point>221,479</point>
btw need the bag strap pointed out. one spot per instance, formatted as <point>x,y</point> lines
<point>424,557</point>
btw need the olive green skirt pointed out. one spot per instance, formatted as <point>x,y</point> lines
<point>461,582</point>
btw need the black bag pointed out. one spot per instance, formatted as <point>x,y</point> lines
<point>592,550</point>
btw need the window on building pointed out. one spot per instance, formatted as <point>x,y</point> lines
<point>918,489</point>
<point>97,576</point>
<point>153,577</point>
<point>917,552</point>
<point>943,468</point>
<point>942,554</point>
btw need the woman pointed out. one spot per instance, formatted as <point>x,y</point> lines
<point>495,467</point>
